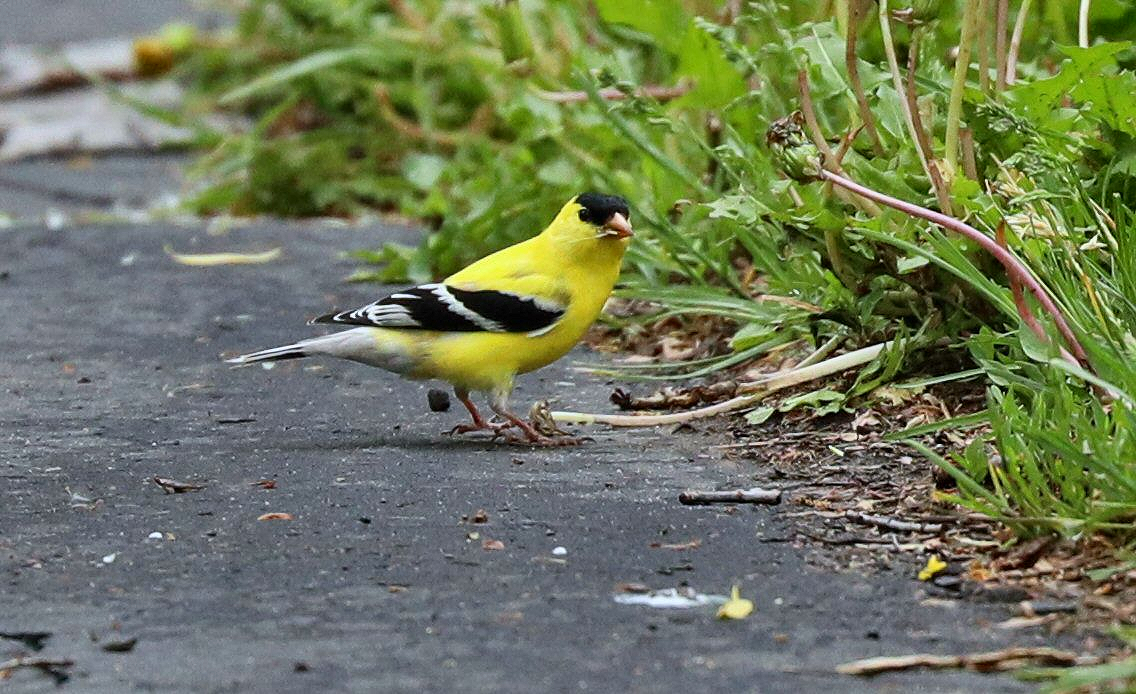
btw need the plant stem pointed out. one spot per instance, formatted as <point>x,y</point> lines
<point>662,93</point>
<point>1083,23</point>
<point>969,162</point>
<point>1014,267</point>
<point>828,158</point>
<point>1000,44</point>
<point>852,66</point>
<point>962,66</point>
<point>982,41</point>
<point>922,140</point>
<point>897,82</point>
<point>1016,43</point>
<point>1020,299</point>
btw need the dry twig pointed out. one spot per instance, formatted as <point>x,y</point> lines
<point>754,495</point>
<point>892,523</point>
<point>991,661</point>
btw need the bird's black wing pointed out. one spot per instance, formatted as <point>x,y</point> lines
<point>449,309</point>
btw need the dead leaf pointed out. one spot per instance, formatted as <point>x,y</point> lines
<point>977,572</point>
<point>276,515</point>
<point>632,588</point>
<point>120,646</point>
<point>212,259</point>
<point>170,486</point>
<point>492,545</point>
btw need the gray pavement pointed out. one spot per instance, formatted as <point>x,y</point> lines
<point>116,184</point>
<point>110,365</point>
<point>59,21</point>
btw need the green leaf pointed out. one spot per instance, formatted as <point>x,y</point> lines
<point>1112,99</point>
<point>665,21</point>
<point>751,334</point>
<point>716,81</point>
<point>744,209</point>
<point>1089,76</point>
<point>760,415</point>
<point>823,401</point>
<point>314,62</point>
<point>905,264</point>
<point>423,170</point>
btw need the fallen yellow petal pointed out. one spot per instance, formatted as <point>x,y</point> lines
<point>210,259</point>
<point>736,607</point>
<point>934,566</point>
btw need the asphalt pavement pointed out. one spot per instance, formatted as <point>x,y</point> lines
<point>110,363</point>
<point>112,375</point>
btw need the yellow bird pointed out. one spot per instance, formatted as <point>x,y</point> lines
<point>509,313</point>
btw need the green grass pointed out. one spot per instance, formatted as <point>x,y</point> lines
<point>481,119</point>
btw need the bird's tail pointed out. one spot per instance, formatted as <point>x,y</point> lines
<point>293,351</point>
<point>391,352</point>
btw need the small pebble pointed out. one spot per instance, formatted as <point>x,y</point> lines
<point>559,551</point>
<point>439,400</point>
<point>109,559</point>
<point>154,536</point>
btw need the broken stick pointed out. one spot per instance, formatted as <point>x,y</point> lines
<point>754,495</point>
<point>1006,659</point>
<point>893,523</point>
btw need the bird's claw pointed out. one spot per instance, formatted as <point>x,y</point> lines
<point>497,428</point>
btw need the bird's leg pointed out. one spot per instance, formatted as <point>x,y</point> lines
<point>479,422</point>
<point>532,437</point>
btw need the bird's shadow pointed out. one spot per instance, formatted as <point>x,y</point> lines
<point>442,442</point>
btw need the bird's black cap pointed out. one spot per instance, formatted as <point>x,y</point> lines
<point>598,208</point>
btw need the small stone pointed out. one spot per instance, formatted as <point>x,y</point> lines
<point>154,536</point>
<point>439,400</point>
<point>559,551</point>
<point>109,559</point>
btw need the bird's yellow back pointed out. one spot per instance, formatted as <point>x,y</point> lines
<point>569,264</point>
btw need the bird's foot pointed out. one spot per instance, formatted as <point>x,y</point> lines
<point>496,428</point>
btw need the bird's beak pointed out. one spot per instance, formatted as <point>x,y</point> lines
<point>617,226</point>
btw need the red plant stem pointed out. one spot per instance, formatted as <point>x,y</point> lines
<point>1014,267</point>
<point>1020,300</point>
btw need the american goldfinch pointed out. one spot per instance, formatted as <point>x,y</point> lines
<point>509,313</point>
